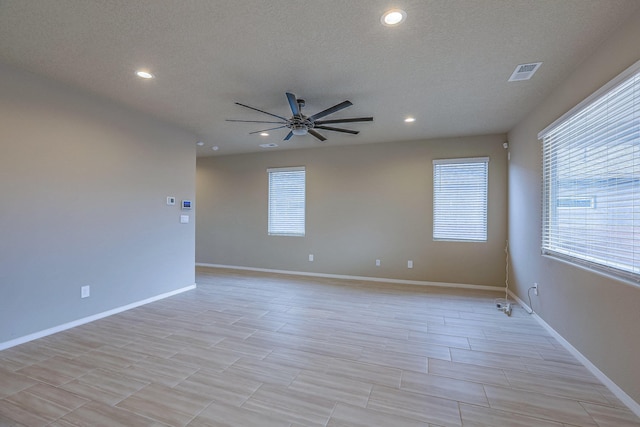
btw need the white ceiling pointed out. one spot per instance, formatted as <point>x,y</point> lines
<point>447,65</point>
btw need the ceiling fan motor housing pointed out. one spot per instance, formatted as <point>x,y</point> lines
<point>299,125</point>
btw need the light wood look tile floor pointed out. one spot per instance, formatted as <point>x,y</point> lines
<point>252,349</point>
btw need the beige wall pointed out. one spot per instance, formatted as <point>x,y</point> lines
<point>84,186</point>
<point>599,316</point>
<point>363,203</point>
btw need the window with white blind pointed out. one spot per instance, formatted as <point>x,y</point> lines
<point>460,199</point>
<point>591,180</point>
<point>286,201</point>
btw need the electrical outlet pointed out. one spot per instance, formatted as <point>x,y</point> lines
<point>535,288</point>
<point>85,291</point>
<point>310,257</point>
<point>377,263</point>
<point>410,264</point>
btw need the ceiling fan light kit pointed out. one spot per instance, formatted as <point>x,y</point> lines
<point>299,124</point>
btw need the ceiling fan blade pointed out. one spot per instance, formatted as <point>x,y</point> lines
<point>252,121</point>
<point>317,135</point>
<point>331,110</point>
<point>261,111</point>
<point>288,137</point>
<point>264,130</point>
<point>352,120</point>
<point>353,132</point>
<point>293,103</point>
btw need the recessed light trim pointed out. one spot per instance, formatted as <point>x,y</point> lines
<point>264,134</point>
<point>144,74</point>
<point>269,145</point>
<point>393,17</point>
<point>199,143</point>
<point>409,120</point>
<point>215,148</point>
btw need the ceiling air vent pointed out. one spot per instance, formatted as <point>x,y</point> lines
<point>524,71</point>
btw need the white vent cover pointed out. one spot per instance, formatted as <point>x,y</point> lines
<point>269,145</point>
<point>524,71</point>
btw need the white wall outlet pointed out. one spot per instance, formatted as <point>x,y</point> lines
<point>377,263</point>
<point>310,257</point>
<point>184,219</point>
<point>535,288</point>
<point>410,264</point>
<point>171,200</point>
<point>85,291</point>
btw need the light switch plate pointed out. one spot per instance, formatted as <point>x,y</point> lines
<point>171,200</point>
<point>184,219</point>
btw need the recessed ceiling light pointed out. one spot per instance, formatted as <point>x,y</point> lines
<point>393,17</point>
<point>270,145</point>
<point>264,134</point>
<point>144,74</point>
<point>199,143</point>
<point>409,120</point>
<point>215,148</point>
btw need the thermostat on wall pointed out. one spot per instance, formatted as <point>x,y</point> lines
<point>186,205</point>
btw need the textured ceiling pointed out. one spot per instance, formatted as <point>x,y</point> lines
<point>447,65</point>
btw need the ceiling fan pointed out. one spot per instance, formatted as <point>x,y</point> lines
<point>299,124</point>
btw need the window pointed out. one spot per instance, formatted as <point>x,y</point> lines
<point>286,201</point>
<point>460,199</point>
<point>591,180</point>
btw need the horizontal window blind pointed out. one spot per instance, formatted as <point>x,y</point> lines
<point>591,180</point>
<point>460,199</point>
<point>286,201</point>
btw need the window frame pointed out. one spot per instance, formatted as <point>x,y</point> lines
<point>610,261</point>
<point>480,234</point>
<point>274,227</point>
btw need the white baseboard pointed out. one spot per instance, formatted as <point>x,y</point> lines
<point>361,278</point>
<point>73,324</point>
<point>613,387</point>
